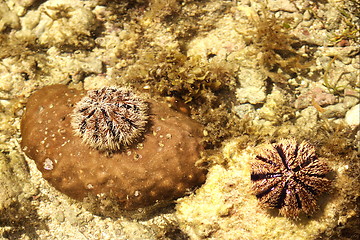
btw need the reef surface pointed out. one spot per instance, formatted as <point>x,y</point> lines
<point>250,72</point>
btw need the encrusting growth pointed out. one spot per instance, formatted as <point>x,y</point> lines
<point>288,176</point>
<point>110,118</point>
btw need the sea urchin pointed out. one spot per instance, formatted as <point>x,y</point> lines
<point>288,176</point>
<point>110,118</point>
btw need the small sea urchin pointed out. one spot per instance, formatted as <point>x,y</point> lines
<point>110,118</point>
<point>288,176</point>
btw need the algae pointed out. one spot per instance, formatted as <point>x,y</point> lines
<point>278,48</point>
<point>195,55</point>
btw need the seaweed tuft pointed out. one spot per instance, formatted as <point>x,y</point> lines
<point>197,84</point>
<point>277,47</point>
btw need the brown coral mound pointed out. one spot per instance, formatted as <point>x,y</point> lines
<point>161,167</point>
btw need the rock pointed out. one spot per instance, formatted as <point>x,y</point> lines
<point>277,107</point>
<point>308,118</point>
<point>251,77</point>
<point>281,5</point>
<point>318,95</point>
<point>245,110</point>
<point>160,168</point>
<point>8,19</point>
<point>352,117</point>
<point>15,188</point>
<point>251,95</point>
<point>252,82</point>
<point>65,23</point>
<point>335,111</point>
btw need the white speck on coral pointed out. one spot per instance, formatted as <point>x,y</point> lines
<point>48,164</point>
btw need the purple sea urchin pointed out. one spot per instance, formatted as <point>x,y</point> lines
<point>110,118</point>
<point>288,176</point>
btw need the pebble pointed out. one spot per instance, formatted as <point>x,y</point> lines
<point>251,95</point>
<point>350,98</point>
<point>307,15</point>
<point>307,23</point>
<point>70,216</point>
<point>245,110</point>
<point>281,5</point>
<point>335,111</point>
<point>308,117</point>
<point>316,94</point>
<point>60,216</point>
<point>352,117</point>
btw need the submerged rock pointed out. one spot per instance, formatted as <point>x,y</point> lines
<point>352,117</point>
<point>16,190</point>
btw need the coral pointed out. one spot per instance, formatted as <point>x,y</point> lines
<point>110,118</point>
<point>161,167</point>
<point>289,177</point>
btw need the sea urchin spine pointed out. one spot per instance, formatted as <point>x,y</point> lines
<point>288,176</point>
<point>110,118</point>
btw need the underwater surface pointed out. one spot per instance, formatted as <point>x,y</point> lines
<point>170,119</point>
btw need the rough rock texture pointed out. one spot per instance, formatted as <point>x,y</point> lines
<point>63,23</point>
<point>7,18</point>
<point>16,193</point>
<point>224,207</point>
<point>217,47</point>
<point>352,116</point>
<point>162,167</point>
